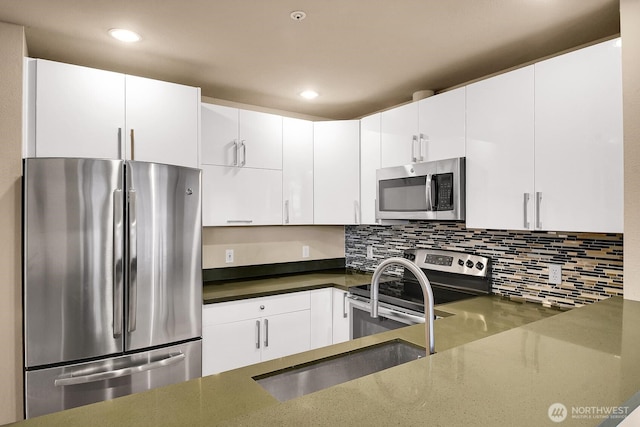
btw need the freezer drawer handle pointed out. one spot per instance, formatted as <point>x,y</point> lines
<point>66,380</point>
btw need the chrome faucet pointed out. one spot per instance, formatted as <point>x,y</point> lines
<point>426,291</point>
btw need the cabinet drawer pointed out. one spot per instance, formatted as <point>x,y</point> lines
<point>233,311</point>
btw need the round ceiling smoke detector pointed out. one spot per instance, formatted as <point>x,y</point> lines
<point>298,15</point>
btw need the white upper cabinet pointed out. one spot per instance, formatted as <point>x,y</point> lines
<point>297,171</point>
<point>399,143</point>
<point>336,172</point>
<point>241,196</point>
<point>241,138</point>
<point>579,141</point>
<point>430,129</point>
<point>499,164</point>
<point>369,163</point>
<point>219,135</point>
<point>79,112</point>
<point>260,139</point>
<point>84,112</point>
<point>544,145</point>
<point>242,167</point>
<point>442,125</point>
<point>162,122</point>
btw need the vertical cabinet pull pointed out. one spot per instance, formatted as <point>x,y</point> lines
<point>257,334</point>
<point>266,333</point>
<point>133,157</point>
<point>538,214</point>
<point>414,141</point>
<point>527,224</point>
<point>244,153</point>
<point>422,145</point>
<point>344,305</point>
<point>120,143</point>
<point>235,152</point>
<point>286,212</point>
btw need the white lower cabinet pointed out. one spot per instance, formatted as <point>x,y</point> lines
<point>341,316</point>
<point>321,317</point>
<point>243,332</point>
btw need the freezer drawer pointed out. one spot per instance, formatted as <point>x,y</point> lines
<point>54,389</point>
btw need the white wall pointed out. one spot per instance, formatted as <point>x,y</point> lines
<point>629,20</point>
<point>12,50</point>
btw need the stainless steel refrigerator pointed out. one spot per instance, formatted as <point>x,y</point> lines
<point>112,285</point>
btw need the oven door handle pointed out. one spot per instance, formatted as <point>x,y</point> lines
<point>399,316</point>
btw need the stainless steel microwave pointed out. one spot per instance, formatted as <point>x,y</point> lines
<point>428,191</point>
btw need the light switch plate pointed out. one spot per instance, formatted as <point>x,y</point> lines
<point>305,251</point>
<point>228,256</point>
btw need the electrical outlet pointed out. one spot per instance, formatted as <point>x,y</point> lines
<point>228,256</point>
<point>370,252</point>
<point>305,251</point>
<point>555,274</point>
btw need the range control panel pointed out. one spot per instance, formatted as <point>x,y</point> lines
<point>449,261</point>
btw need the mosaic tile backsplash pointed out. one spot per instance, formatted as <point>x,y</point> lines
<point>591,263</point>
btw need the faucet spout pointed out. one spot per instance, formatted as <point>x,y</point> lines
<point>427,292</point>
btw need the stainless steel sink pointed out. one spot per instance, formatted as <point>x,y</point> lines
<point>320,374</point>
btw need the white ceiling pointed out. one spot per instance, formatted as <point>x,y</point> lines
<point>360,55</point>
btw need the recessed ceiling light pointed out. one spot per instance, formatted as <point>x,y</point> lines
<point>309,94</point>
<point>126,36</point>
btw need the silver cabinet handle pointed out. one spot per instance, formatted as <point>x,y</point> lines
<point>257,334</point>
<point>356,211</point>
<point>421,144</point>
<point>133,261</point>
<point>427,191</point>
<point>244,153</point>
<point>527,196</point>
<point>286,211</point>
<point>235,152</point>
<point>266,332</point>
<point>538,214</point>
<point>414,140</point>
<point>133,157</point>
<point>344,305</point>
<point>120,143</point>
<point>70,379</point>
<point>118,257</point>
<point>239,221</point>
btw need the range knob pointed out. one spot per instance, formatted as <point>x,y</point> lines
<point>460,262</point>
<point>469,264</point>
<point>479,265</point>
<point>409,256</point>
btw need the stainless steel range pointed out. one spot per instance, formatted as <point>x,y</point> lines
<point>453,276</point>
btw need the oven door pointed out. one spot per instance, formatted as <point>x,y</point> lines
<point>389,317</point>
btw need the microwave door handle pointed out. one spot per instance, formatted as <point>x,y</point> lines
<point>428,192</point>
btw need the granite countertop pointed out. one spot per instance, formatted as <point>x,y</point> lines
<point>497,362</point>
<point>230,291</point>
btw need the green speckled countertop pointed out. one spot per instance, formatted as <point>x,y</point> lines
<point>271,286</point>
<point>497,363</point>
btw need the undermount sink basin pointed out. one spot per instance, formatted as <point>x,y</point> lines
<point>320,374</point>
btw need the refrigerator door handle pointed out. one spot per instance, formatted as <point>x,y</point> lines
<point>70,379</point>
<point>133,262</point>
<point>118,257</point>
